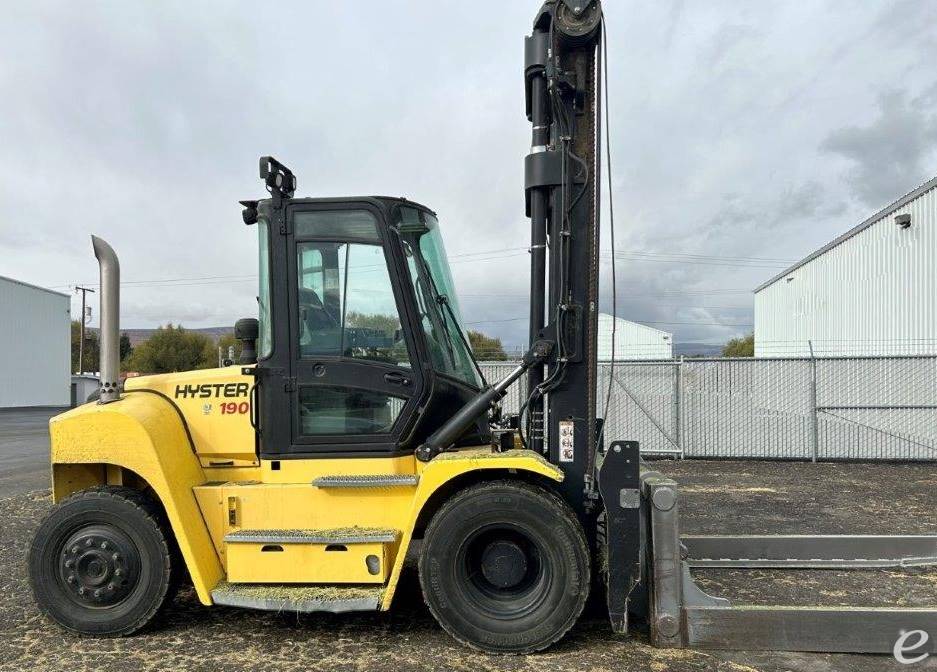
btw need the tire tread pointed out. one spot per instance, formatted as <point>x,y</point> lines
<point>153,515</point>
<point>493,485</point>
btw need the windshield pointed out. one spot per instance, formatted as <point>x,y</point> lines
<point>265,333</point>
<point>440,315</point>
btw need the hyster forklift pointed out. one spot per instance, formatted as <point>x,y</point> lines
<point>358,422</point>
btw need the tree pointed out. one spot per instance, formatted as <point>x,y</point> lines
<point>486,348</point>
<point>125,347</point>
<point>91,354</point>
<point>388,324</point>
<point>740,347</point>
<point>172,349</point>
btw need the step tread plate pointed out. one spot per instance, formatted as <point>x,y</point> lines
<point>367,481</point>
<point>302,598</point>
<point>340,535</point>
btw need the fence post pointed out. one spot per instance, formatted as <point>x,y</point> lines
<point>678,406</point>
<point>814,420</point>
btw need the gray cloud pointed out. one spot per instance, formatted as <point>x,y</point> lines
<point>143,123</point>
<point>893,154</point>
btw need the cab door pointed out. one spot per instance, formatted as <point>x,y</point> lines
<point>353,384</point>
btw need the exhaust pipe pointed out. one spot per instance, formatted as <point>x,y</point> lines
<point>110,320</point>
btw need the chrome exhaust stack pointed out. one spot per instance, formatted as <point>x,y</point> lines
<point>110,320</point>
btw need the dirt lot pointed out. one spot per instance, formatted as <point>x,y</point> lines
<point>730,497</point>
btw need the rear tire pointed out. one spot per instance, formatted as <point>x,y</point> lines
<point>505,567</point>
<point>100,562</point>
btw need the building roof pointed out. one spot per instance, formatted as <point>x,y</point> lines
<point>878,216</point>
<point>41,289</point>
<point>633,323</point>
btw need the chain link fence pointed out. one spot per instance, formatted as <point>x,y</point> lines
<point>824,408</point>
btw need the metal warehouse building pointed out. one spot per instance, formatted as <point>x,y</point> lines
<point>35,346</point>
<point>632,340</point>
<point>872,291</point>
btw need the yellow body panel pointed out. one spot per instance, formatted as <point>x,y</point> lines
<point>228,507</point>
<point>221,486</point>
<point>142,433</point>
<point>305,563</point>
<point>216,406</point>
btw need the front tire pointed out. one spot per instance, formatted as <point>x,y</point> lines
<point>505,567</point>
<point>100,562</point>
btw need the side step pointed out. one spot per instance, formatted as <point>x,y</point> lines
<point>343,535</point>
<point>298,598</point>
<point>341,556</point>
<point>367,481</point>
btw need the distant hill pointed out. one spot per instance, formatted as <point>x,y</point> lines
<point>697,349</point>
<point>137,336</point>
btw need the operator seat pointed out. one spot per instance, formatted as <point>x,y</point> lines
<point>320,331</point>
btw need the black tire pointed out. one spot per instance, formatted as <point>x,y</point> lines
<point>505,567</point>
<point>100,563</point>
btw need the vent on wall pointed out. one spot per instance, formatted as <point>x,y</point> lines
<point>903,221</point>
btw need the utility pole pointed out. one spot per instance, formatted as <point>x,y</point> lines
<point>81,339</point>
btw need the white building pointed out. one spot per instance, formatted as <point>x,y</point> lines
<point>632,340</point>
<point>872,291</point>
<point>83,385</point>
<point>35,346</point>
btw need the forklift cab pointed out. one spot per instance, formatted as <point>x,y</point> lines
<point>361,347</point>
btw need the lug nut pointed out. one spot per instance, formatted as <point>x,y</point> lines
<point>97,593</point>
<point>116,557</point>
<point>74,549</point>
<point>70,578</point>
<point>81,591</point>
<point>110,586</point>
<point>103,545</point>
<point>88,542</point>
<point>69,564</point>
<point>118,572</point>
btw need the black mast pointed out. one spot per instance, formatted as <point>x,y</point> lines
<point>562,202</point>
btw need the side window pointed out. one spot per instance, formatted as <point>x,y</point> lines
<point>311,270</point>
<point>346,303</point>
<point>326,410</point>
<point>372,324</point>
<point>320,268</point>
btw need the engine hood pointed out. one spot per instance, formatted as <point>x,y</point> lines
<point>216,407</point>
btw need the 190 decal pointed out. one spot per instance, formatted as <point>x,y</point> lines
<point>230,407</point>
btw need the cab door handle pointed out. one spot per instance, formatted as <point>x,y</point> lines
<point>396,379</point>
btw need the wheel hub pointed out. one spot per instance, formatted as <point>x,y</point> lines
<point>99,566</point>
<point>504,564</point>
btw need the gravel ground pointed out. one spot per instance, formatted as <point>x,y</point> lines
<point>718,497</point>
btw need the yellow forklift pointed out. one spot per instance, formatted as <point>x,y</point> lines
<point>358,422</point>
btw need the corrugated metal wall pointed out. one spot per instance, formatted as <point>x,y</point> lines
<point>35,348</point>
<point>874,293</point>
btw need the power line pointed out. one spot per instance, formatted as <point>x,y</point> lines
<point>496,255</point>
<point>696,262</point>
<point>705,256</point>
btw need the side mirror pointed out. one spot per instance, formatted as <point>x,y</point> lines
<point>246,330</point>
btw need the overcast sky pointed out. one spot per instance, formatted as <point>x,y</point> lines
<point>744,136</point>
